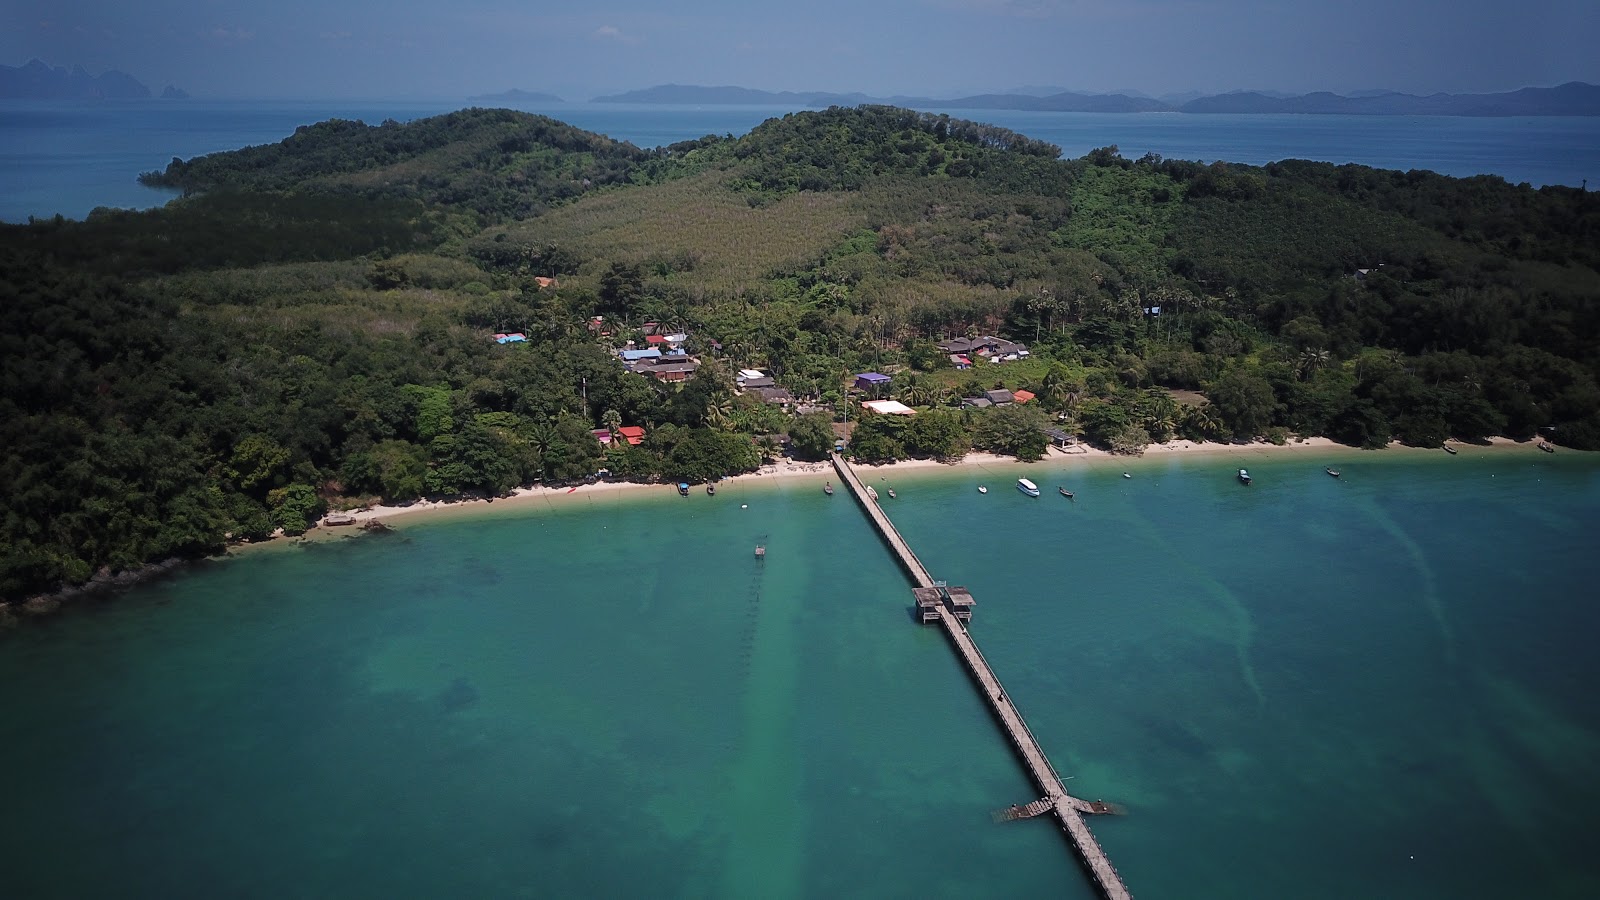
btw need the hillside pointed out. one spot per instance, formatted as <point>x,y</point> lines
<point>313,325</point>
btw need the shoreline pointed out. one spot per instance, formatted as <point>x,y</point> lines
<point>785,470</point>
<point>396,518</point>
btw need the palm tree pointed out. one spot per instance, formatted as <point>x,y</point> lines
<point>719,413</point>
<point>1311,361</point>
<point>541,437</point>
<point>612,420</point>
<point>1202,421</point>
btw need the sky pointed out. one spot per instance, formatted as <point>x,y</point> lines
<point>378,49</point>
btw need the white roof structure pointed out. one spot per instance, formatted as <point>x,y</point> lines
<point>889,407</point>
<point>751,373</point>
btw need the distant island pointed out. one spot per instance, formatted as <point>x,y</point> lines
<point>38,81</point>
<point>515,95</point>
<point>1571,99</point>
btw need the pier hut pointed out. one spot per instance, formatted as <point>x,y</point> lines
<point>960,601</point>
<point>928,603</point>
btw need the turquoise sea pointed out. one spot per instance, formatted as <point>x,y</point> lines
<point>1380,685</point>
<point>69,158</point>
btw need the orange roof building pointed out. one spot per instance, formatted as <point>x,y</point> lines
<point>633,434</point>
<point>1021,396</point>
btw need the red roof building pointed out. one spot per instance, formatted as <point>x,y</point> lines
<point>1021,396</point>
<point>633,434</point>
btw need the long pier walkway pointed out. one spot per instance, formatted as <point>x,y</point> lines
<point>1068,810</point>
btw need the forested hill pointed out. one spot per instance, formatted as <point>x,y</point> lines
<point>495,162</point>
<point>314,325</point>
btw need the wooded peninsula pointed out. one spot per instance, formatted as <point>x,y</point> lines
<point>469,303</point>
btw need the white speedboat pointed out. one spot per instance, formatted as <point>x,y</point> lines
<point>1027,487</point>
<point>1244,477</point>
<point>982,489</point>
<point>871,492</point>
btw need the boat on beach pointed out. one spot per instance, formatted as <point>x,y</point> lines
<point>683,489</point>
<point>1449,449</point>
<point>1244,477</point>
<point>1027,487</point>
<point>1547,447</point>
<point>711,490</point>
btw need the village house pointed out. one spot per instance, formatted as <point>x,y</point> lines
<point>633,434</point>
<point>515,337</point>
<point>775,396</point>
<point>672,367</point>
<point>632,357</point>
<point>872,381</point>
<point>889,408</point>
<point>986,347</point>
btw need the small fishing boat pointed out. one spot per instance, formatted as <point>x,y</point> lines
<point>872,492</point>
<point>828,489</point>
<point>1065,493</point>
<point>982,489</point>
<point>891,493</point>
<point>683,489</point>
<point>711,489</point>
<point>1449,449</point>
<point>1244,477</point>
<point>1126,475</point>
<point>1331,471</point>
<point>1027,487</point>
<point>1547,447</point>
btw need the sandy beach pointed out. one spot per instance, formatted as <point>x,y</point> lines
<point>529,498</point>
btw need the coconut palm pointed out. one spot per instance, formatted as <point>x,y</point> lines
<point>612,420</point>
<point>719,413</point>
<point>1312,361</point>
<point>1202,422</point>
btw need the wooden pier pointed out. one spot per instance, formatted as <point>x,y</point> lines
<point>936,602</point>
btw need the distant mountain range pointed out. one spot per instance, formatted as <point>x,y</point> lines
<point>515,95</point>
<point>1571,99</point>
<point>37,81</point>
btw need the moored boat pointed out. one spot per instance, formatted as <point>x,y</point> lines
<point>711,489</point>
<point>1547,447</point>
<point>828,489</point>
<point>891,493</point>
<point>1027,487</point>
<point>1449,449</point>
<point>1244,477</point>
<point>683,489</point>
<point>1331,471</point>
<point>982,489</point>
<point>872,492</point>
<point>1065,493</point>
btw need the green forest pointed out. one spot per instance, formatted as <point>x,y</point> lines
<point>311,325</point>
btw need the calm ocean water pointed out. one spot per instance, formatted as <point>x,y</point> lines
<point>1375,686</point>
<point>71,158</point>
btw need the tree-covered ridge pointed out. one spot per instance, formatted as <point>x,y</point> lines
<point>313,326</point>
<point>496,162</point>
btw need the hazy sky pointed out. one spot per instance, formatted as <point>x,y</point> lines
<point>409,48</point>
